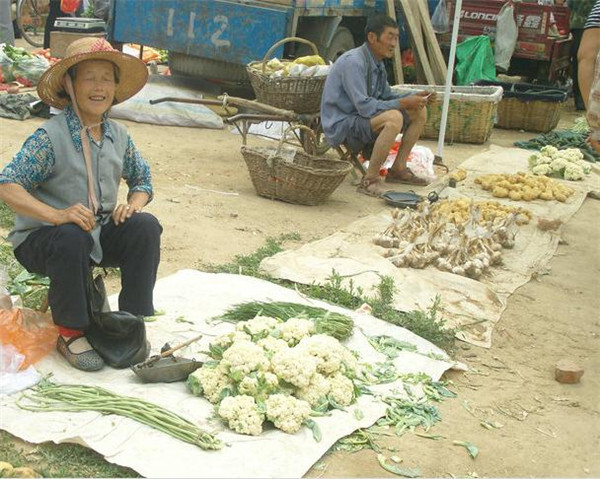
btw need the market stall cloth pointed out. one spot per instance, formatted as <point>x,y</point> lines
<point>190,298</point>
<point>474,305</point>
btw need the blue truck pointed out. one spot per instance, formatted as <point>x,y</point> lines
<point>215,39</point>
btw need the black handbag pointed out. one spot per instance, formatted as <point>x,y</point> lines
<point>118,337</point>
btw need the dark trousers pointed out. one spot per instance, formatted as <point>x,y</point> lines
<point>577,34</point>
<point>63,254</point>
<point>53,14</point>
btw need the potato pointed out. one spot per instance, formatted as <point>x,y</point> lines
<point>547,195</point>
<point>500,192</point>
<point>560,197</point>
<point>515,195</point>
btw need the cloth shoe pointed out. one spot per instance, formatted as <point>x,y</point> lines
<point>88,360</point>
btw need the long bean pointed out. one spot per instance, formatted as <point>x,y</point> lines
<point>48,396</point>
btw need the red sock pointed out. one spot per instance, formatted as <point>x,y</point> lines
<point>69,333</point>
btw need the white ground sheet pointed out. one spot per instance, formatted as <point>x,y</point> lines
<point>474,305</point>
<point>190,298</point>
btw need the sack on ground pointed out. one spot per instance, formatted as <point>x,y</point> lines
<point>118,337</point>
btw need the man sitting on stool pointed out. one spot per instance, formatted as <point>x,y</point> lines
<point>358,107</point>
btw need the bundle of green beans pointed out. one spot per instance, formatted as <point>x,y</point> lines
<point>562,140</point>
<point>48,396</point>
<point>326,322</point>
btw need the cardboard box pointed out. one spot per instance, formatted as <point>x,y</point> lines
<point>59,41</point>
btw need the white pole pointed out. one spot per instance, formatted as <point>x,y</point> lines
<point>446,102</point>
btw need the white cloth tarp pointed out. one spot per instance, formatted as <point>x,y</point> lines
<point>190,298</point>
<point>474,305</point>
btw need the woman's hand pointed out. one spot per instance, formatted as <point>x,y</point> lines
<point>124,211</point>
<point>78,214</point>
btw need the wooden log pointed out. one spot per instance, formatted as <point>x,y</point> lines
<point>397,60</point>
<point>414,28</point>
<point>436,58</point>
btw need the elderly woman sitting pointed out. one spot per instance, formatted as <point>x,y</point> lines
<point>63,184</point>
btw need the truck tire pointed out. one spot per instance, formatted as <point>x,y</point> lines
<point>341,42</point>
<point>180,63</point>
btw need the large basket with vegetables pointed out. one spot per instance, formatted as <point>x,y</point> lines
<point>291,85</point>
<point>529,107</point>
<point>471,112</point>
<point>298,178</point>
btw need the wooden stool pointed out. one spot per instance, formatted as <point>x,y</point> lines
<point>347,154</point>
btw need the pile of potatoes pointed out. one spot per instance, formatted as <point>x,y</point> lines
<point>524,187</point>
<point>459,211</point>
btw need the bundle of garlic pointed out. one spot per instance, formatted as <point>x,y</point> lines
<point>522,186</point>
<point>418,238</point>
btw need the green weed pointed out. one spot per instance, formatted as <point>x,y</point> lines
<point>7,216</point>
<point>62,460</point>
<point>249,264</point>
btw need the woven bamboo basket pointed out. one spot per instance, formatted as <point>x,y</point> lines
<point>471,113</point>
<point>303,179</point>
<point>298,94</point>
<point>529,107</point>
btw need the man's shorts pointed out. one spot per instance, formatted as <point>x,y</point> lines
<point>360,134</point>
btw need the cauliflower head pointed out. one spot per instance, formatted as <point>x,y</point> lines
<point>272,345</point>
<point>341,389</point>
<point>242,414</point>
<point>294,366</point>
<point>574,172</point>
<point>541,170</point>
<point>327,351</point>
<point>286,412</point>
<point>549,150</point>
<point>558,165</point>
<point>317,388</point>
<point>258,326</point>
<point>243,357</point>
<point>294,329</point>
<point>209,382</point>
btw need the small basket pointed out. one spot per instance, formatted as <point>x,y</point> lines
<point>471,113</point>
<point>298,94</point>
<point>529,107</point>
<point>303,180</point>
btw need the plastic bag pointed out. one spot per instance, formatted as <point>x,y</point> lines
<point>32,333</point>
<point>474,60</point>
<point>28,71</point>
<point>6,75</point>
<point>506,37</point>
<point>420,162</point>
<point>440,20</point>
<point>11,380</point>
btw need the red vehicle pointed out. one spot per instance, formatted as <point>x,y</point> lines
<point>542,53</point>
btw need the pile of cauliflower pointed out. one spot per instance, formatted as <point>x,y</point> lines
<point>270,370</point>
<point>568,164</point>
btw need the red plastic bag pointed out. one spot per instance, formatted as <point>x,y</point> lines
<point>69,6</point>
<point>32,333</point>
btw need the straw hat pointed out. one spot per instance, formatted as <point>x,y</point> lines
<point>132,71</point>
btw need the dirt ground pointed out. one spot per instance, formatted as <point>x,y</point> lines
<point>210,213</point>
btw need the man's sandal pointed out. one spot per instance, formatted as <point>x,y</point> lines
<point>88,360</point>
<point>371,187</point>
<point>406,177</point>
